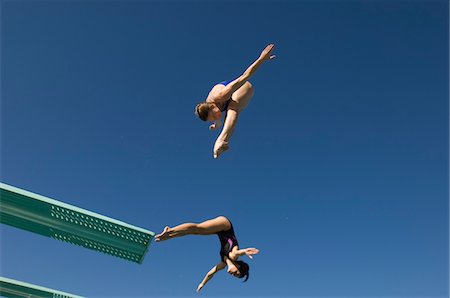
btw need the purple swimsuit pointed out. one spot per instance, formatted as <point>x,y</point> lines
<point>227,241</point>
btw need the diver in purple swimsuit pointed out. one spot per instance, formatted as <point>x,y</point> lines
<point>227,242</point>
<point>231,97</point>
<point>229,249</point>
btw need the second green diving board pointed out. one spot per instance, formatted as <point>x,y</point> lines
<point>18,289</point>
<point>52,218</point>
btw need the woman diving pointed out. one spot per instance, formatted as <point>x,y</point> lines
<point>229,249</point>
<point>231,97</point>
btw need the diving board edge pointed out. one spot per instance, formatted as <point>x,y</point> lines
<point>52,218</point>
<point>71,207</point>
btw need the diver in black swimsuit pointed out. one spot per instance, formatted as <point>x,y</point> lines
<point>229,249</point>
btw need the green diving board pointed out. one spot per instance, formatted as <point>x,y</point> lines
<point>48,217</point>
<point>18,289</point>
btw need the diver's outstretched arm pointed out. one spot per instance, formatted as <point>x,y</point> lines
<point>210,274</point>
<point>266,54</point>
<point>247,251</point>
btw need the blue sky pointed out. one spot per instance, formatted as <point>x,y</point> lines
<point>338,169</point>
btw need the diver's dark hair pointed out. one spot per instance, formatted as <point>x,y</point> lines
<point>202,110</point>
<point>244,269</point>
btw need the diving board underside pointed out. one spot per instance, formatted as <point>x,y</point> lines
<point>18,289</point>
<point>48,217</point>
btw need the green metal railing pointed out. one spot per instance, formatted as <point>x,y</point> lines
<point>18,289</point>
<point>51,218</point>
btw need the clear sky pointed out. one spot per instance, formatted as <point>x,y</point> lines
<point>338,169</point>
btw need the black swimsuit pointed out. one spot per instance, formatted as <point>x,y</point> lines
<point>227,241</point>
<point>225,106</point>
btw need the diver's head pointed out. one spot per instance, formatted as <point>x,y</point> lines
<point>208,111</point>
<point>239,269</point>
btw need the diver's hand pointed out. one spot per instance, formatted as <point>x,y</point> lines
<point>251,251</point>
<point>220,147</point>
<point>267,53</point>
<point>200,286</point>
<point>215,125</point>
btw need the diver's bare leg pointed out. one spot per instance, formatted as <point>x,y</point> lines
<point>241,98</point>
<point>208,227</point>
<point>221,144</point>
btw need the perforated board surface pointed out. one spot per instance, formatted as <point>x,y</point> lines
<point>52,218</point>
<point>18,289</point>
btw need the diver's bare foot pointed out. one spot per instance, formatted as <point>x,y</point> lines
<point>163,236</point>
<point>220,147</point>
